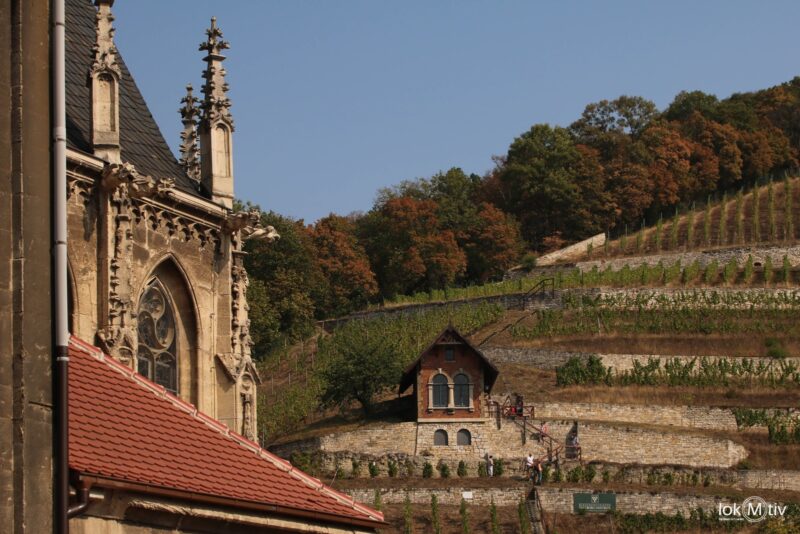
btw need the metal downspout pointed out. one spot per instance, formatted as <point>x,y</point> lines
<point>60,312</point>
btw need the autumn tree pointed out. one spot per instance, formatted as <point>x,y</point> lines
<point>344,264</point>
<point>408,248</point>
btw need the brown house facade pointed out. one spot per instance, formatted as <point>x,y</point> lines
<point>452,380</point>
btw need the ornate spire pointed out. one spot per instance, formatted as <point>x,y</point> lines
<point>104,77</point>
<point>216,104</point>
<point>105,52</point>
<point>216,123</point>
<point>190,148</point>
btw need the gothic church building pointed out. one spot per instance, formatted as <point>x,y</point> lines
<point>154,247</point>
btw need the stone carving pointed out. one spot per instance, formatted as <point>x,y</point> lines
<point>216,105</point>
<point>190,147</point>
<point>121,184</point>
<point>248,223</point>
<point>248,422</point>
<point>105,52</point>
<point>104,76</point>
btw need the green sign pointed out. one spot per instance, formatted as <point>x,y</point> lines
<point>594,502</point>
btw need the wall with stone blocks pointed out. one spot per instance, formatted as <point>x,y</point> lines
<point>559,500</point>
<point>722,257</point>
<point>600,442</point>
<point>682,416</point>
<point>571,252</point>
<point>445,496</point>
<point>550,359</point>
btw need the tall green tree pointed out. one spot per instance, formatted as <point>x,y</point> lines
<point>286,284</point>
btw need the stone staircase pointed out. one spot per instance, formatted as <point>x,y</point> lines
<point>535,513</point>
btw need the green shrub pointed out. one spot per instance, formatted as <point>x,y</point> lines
<point>408,517</point>
<point>493,516</point>
<point>668,479</point>
<point>673,231</point>
<point>529,261</point>
<point>589,473</point>
<point>464,513</point>
<point>410,467</point>
<point>739,217</point>
<point>723,220</point>
<point>392,468</point>
<point>373,469</point>
<point>578,371</point>
<point>769,271</point>
<point>711,272</point>
<point>786,271</point>
<point>748,269</point>
<point>558,476</point>
<point>695,479</point>
<point>691,272</point>
<point>462,469</point>
<point>499,467</point>
<point>546,474</point>
<point>437,527</point>
<point>482,470</point>
<point>773,225</point>
<point>706,481</point>
<point>376,501</point>
<point>427,470</point>
<point>356,468</point>
<point>444,470</point>
<point>575,474</point>
<point>756,215</point>
<point>524,520</point>
<point>775,349</point>
<point>730,270</point>
<point>606,476</point>
<point>659,229</point>
<point>652,478</point>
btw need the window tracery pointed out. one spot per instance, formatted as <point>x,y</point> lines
<point>157,353</point>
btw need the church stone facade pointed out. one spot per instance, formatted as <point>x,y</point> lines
<point>154,244</point>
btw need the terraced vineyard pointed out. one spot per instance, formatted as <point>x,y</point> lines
<point>682,379</point>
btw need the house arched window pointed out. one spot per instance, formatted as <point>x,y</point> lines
<point>463,437</point>
<point>440,390</point>
<point>157,353</point>
<point>440,438</point>
<point>461,391</point>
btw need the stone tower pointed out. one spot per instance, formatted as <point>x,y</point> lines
<point>216,123</point>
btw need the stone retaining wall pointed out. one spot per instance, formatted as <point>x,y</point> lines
<point>559,500</point>
<point>722,256</point>
<point>550,359</point>
<point>600,442</point>
<point>554,500</point>
<point>445,496</point>
<point>572,252</point>
<point>682,416</point>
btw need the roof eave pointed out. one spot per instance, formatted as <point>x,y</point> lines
<point>159,491</point>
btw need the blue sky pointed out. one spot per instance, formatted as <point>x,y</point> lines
<point>335,99</point>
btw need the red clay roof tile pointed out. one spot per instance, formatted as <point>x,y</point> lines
<point>124,427</point>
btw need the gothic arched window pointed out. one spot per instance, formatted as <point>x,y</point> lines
<point>157,354</point>
<point>461,390</point>
<point>440,390</point>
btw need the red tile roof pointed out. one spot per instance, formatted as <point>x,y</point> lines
<point>123,427</point>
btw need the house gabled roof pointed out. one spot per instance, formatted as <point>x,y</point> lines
<point>449,335</point>
<point>125,429</point>
<point>141,141</point>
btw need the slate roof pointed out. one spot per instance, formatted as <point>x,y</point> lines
<point>141,141</point>
<point>122,427</point>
